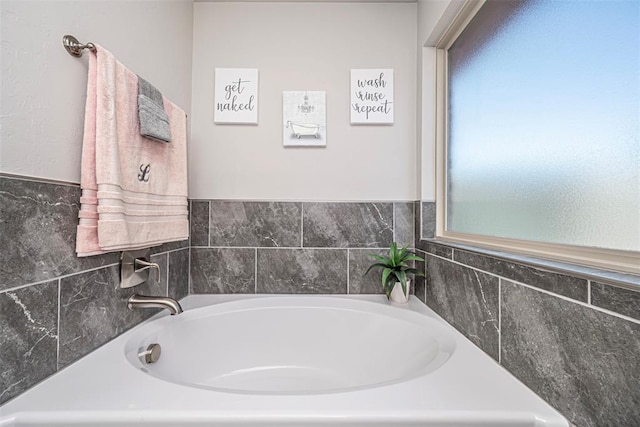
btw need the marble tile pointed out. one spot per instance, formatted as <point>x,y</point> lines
<point>255,224</point>
<point>199,224</point>
<point>417,226</point>
<point>302,271</point>
<point>623,301</point>
<point>223,270</point>
<point>421,244</point>
<point>420,282</point>
<point>466,298</point>
<point>28,337</point>
<point>359,261</point>
<point>37,232</point>
<point>93,310</point>
<point>403,224</point>
<point>347,225</point>
<point>428,220</point>
<point>560,284</point>
<point>435,249</point>
<point>582,361</point>
<point>171,246</point>
<point>179,274</point>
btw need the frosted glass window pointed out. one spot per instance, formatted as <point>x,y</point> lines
<point>543,123</point>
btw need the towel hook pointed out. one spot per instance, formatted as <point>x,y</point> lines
<point>74,47</point>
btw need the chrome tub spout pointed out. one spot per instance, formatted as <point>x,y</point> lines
<point>141,301</point>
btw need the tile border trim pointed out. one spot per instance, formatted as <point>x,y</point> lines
<point>623,280</point>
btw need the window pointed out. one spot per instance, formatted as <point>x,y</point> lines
<point>542,128</point>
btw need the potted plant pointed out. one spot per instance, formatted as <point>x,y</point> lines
<point>396,269</point>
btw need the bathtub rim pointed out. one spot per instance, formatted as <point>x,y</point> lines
<point>398,313</point>
<point>63,398</point>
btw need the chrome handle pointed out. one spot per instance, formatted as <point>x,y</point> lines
<point>147,266</point>
<point>134,268</point>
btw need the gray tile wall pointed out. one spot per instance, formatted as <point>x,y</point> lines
<point>55,307</point>
<point>293,247</point>
<point>583,361</point>
<point>573,341</point>
<point>427,216</point>
<point>477,318</point>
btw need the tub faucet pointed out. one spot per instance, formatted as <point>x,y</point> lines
<point>141,301</point>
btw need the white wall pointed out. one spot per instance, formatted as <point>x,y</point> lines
<point>430,14</point>
<point>304,46</point>
<point>44,88</point>
<point>433,19</point>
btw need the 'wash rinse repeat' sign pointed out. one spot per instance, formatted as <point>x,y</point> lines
<point>372,96</point>
<point>236,95</point>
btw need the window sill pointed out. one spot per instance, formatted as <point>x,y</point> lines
<point>623,280</point>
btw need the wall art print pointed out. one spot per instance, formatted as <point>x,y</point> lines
<point>372,96</point>
<point>236,96</point>
<point>304,119</point>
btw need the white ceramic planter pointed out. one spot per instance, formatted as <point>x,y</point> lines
<point>397,295</point>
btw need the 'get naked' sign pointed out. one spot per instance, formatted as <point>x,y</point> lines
<point>236,95</point>
<point>372,96</point>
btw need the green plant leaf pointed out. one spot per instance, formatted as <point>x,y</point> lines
<point>402,278</point>
<point>414,272</point>
<point>380,258</point>
<point>376,265</point>
<point>395,266</point>
<point>386,273</point>
<point>393,254</point>
<point>402,252</point>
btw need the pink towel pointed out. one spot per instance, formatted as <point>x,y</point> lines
<point>134,190</point>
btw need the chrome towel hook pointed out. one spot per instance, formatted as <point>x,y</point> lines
<point>74,47</point>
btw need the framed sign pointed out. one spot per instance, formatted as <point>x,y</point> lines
<point>236,96</point>
<point>372,96</point>
<point>304,119</point>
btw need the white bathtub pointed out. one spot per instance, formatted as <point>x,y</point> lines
<point>286,361</point>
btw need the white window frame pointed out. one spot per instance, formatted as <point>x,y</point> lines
<point>609,259</point>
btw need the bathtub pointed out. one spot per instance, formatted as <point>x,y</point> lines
<point>286,361</point>
<point>304,129</point>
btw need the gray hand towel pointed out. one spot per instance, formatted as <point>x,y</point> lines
<point>154,122</point>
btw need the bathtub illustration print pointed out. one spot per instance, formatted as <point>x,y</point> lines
<point>304,129</point>
<point>304,119</point>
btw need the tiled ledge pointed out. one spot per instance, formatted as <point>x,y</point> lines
<point>38,179</point>
<point>623,280</point>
